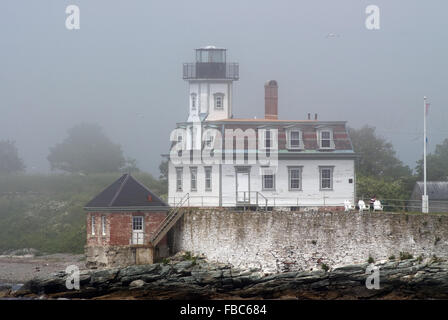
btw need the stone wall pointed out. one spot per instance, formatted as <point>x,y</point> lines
<point>282,241</point>
<point>122,256</point>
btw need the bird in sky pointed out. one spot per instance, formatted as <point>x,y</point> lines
<point>332,35</point>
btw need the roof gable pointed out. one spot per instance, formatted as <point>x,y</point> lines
<point>125,192</point>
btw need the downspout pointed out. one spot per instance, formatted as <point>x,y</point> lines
<point>220,167</point>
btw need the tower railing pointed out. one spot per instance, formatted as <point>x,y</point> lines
<point>211,70</point>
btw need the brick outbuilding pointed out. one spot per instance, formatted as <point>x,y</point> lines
<point>120,222</point>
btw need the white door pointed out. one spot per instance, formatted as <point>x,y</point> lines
<point>242,186</point>
<point>137,230</point>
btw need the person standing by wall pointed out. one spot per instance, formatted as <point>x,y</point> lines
<point>372,201</point>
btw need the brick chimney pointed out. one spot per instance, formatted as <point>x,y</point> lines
<point>271,100</point>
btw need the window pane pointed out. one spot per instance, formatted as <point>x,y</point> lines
<point>325,139</point>
<point>193,172</point>
<point>208,178</point>
<point>103,224</point>
<point>294,176</point>
<point>268,181</point>
<point>267,139</point>
<point>179,179</point>
<point>295,135</point>
<point>326,178</point>
<point>93,225</point>
<point>193,100</point>
<point>137,223</point>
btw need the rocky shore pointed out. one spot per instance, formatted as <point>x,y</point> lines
<point>20,268</point>
<point>186,277</point>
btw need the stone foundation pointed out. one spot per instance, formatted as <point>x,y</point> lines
<point>290,241</point>
<point>122,256</point>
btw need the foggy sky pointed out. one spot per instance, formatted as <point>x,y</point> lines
<point>123,68</point>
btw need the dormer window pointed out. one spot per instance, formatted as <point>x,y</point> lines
<point>193,101</point>
<point>219,100</point>
<point>326,139</point>
<point>295,139</point>
<point>268,139</point>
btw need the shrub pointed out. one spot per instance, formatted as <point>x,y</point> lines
<point>405,256</point>
<point>370,260</point>
<point>392,257</point>
<point>325,267</point>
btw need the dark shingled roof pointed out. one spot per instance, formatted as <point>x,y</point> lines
<point>126,192</point>
<point>437,190</point>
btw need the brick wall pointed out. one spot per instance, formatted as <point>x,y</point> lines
<point>119,227</point>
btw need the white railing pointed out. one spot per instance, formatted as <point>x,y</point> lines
<point>247,198</point>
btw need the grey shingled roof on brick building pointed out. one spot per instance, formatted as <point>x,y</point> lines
<point>126,193</point>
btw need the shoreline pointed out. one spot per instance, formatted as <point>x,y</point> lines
<point>20,269</point>
<point>196,278</point>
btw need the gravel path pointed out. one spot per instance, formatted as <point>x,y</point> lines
<point>19,269</point>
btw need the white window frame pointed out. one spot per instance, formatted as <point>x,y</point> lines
<point>193,101</point>
<point>263,184</point>
<point>142,224</point>
<point>262,138</point>
<point>265,139</point>
<point>208,178</point>
<point>290,145</point>
<point>291,168</point>
<point>321,169</point>
<point>330,139</point>
<point>103,225</point>
<point>219,97</point>
<point>92,223</point>
<point>179,178</point>
<point>195,179</point>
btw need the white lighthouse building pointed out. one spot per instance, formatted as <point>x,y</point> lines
<point>210,81</point>
<point>314,163</point>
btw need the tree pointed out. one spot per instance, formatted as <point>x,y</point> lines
<point>436,163</point>
<point>130,166</point>
<point>10,161</point>
<point>163,168</point>
<point>395,192</point>
<point>86,150</point>
<point>377,157</point>
<point>163,178</point>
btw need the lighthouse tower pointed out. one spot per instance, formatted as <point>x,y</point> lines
<point>210,81</point>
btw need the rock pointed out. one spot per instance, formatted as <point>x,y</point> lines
<point>186,279</point>
<point>138,269</point>
<point>137,284</point>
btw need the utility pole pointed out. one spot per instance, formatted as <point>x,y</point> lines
<point>425,194</point>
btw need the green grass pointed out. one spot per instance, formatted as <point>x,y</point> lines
<point>45,212</point>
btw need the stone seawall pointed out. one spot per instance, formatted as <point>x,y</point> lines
<point>290,241</point>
